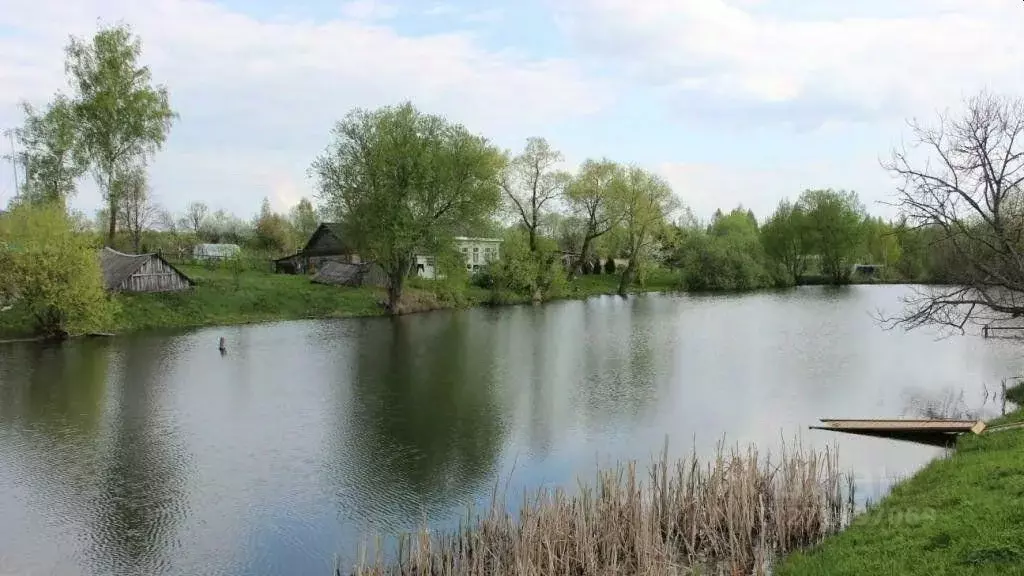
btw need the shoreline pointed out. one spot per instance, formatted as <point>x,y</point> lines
<point>960,514</point>
<point>219,299</point>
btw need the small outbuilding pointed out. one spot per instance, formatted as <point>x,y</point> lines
<point>207,252</point>
<point>343,274</point>
<point>140,273</point>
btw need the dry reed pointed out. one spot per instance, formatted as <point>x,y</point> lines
<point>732,514</point>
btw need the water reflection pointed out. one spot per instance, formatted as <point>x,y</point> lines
<point>140,495</point>
<point>425,426</point>
<point>157,455</point>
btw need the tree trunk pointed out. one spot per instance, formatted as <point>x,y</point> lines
<point>396,282</point>
<point>627,276</point>
<point>581,258</point>
<point>533,239</point>
<point>112,224</point>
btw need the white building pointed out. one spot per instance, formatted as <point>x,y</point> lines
<point>478,252</point>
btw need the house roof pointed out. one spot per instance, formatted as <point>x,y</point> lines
<point>118,266</point>
<point>335,229</point>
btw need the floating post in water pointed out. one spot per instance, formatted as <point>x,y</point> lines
<point>222,345</point>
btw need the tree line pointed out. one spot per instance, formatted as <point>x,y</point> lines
<point>405,183</point>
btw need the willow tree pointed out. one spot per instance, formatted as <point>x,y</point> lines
<point>122,118</point>
<point>595,196</point>
<point>962,181</point>
<point>403,182</point>
<point>647,203</point>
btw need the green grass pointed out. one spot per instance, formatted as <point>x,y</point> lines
<point>961,515</point>
<point>219,298</point>
<point>256,297</point>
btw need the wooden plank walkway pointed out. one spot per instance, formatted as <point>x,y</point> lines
<point>931,432</point>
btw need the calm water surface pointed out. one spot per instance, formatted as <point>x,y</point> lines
<point>156,455</point>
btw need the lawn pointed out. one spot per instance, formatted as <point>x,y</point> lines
<point>221,297</point>
<point>961,515</point>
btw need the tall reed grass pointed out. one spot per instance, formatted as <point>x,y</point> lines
<point>730,514</point>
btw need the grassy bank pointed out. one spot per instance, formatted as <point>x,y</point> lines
<point>961,515</point>
<point>222,298</point>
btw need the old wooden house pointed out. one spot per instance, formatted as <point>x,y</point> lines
<point>328,243</point>
<point>140,273</point>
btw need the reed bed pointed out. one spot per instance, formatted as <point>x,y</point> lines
<point>731,514</point>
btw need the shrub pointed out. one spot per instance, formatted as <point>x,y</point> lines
<point>52,271</point>
<point>609,266</point>
<point>538,275</point>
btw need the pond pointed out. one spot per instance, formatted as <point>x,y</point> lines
<point>155,454</point>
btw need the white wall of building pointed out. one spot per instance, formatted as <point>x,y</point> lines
<point>477,251</point>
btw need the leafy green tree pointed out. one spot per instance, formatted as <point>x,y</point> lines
<point>596,195</point>
<point>121,117</point>
<point>834,229</point>
<point>272,231</point>
<point>536,273</point>
<point>303,220</point>
<point>50,157</point>
<point>51,270</point>
<point>403,182</point>
<point>785,239</point>
<point>647,202</point>
<point>532,182</point>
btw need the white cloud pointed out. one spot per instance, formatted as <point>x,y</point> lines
<point>717,57</point>
<point>256,93</point>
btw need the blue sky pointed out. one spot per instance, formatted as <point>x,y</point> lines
<point>733,101</point>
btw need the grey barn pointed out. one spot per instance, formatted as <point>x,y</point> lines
<point>140,273</point>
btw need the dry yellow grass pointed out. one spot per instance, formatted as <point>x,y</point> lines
<point>732,514</point>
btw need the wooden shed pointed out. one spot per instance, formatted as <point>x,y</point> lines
<point>140,273</point>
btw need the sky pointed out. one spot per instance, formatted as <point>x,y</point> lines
<point>732,101</point>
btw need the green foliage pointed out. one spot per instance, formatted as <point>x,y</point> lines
<point>596,197</point>
<point>51,156</point>
<point>272,232</point>
<point>785,238</point>
<point>530,182</point>
<point>303,221</point>
<point>536,274</point>
<point>647,203</point>
<point>406,182</point>
<point>834,232</point>
<point>727,260</point>
<point>121,118</point>
<point>51,271</point>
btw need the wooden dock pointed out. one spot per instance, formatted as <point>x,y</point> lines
<point>931,432</point>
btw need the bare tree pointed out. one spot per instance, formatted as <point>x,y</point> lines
<point>195,215</point>
<point>137,212</point>
<point>531,181</point>
<point>968,192</point>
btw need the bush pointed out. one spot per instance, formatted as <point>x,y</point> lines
<point>51,271</point>
<point>538,275</point>
<point>609,266</point>
<point>586,268</point>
